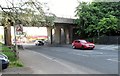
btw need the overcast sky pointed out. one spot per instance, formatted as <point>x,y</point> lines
<point>61,8</point>
<point>64,8</point>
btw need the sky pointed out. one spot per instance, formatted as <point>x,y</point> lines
<point>61,8</point>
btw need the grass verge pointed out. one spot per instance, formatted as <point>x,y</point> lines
<point>14,61</point>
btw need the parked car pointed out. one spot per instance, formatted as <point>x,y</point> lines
<point>83,44</point>
<point>4,62</point>
<point>39,43</point>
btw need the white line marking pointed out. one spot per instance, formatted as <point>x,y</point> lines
<point>113,59</point>
<point>78,54</point>
<point>74,70</point>
<point>110,47</point>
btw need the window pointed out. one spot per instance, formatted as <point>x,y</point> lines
<point>77,41</point>
<point>83,41</point>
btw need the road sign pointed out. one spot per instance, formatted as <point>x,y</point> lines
<point>19,28</point>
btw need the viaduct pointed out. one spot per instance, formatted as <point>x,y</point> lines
<point>63,31</point>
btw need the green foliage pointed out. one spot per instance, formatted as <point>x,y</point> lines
<point>102,17</point>
<point>14,61</point>
<point>11,55</point>
<point>5,48</point>
<point>28,13</point>
<point>33,14</point>
<point>107,24</point>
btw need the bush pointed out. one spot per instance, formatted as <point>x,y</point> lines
<point>16,63</point>
<point>11,55</point>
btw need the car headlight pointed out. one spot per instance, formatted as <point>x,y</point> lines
<point>6,60</point>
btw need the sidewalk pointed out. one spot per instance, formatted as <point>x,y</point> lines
<point>18,70</point>
<point>42,64</point>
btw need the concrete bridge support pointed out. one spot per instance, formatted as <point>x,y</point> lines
<point>63,36</point>
<point>57,35</point>
<point>60,34</point>
<point>49,32</point>
<point>68,34</point>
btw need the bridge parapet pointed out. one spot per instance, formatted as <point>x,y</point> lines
<point>64,20</point>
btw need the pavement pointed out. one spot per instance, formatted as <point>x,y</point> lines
<point>18,70</point>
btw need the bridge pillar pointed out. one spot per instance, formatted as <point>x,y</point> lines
<point>49,32</point>
<point>71,34</point>
<point>57,35</point>
<point>63,36</point>
<point>68,35</point>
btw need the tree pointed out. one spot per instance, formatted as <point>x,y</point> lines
<point>31,13</point>
<point>28,13</point>
<point>107,25</point>
<point>103,17</point>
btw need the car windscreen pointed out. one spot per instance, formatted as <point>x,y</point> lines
<point>83,41</point>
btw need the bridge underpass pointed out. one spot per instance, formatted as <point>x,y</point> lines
<point>62,32</point>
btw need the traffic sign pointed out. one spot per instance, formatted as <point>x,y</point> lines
<point>19,28</point>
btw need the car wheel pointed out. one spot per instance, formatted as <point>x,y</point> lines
<point>82,47</point>
<point>73,47</point>
<point>91,48</point>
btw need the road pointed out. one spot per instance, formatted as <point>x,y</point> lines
<point>101,60</point>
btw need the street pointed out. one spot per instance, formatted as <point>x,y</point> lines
<point>101,60</point>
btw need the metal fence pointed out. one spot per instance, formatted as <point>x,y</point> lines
<point>108,40</point>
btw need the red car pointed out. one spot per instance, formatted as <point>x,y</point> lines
<point>83,44</point>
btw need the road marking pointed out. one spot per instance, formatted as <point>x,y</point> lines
<point>74,70</point>
<point>50,58</point>
<point>110,47</point>
<point>68,66</point>
<point>78,54</point>
<point>114,59</point>
<point>94,53</point>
